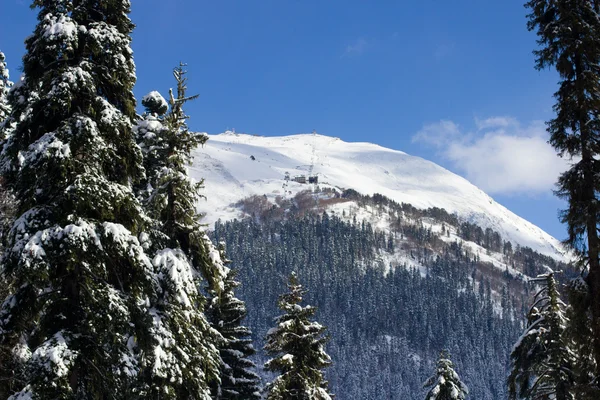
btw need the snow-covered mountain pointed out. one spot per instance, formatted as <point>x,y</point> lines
<point>236,166</point>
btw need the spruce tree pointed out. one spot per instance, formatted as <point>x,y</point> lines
<point>226,313</point>
<point>6,198</point>
<point>578,332</point>
<point>569,38</point>
<point>168,194</point>
<point>445,384</point>
<point>297,345</point>
<point>5,85</point>
<point>75,319</point>
<point>7,205</point>
<point>542,361</point>
<point>185,361</point>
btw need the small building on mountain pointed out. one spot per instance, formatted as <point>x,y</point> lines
<point>300,178</point>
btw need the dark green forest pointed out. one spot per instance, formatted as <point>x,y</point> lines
<point>386,329</point>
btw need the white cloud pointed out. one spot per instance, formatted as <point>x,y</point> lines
<point>501,156</point>
<point>357,47</point>
<point>496,122</point>
<point>438,133</point>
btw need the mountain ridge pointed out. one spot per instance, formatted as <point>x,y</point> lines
<point>236,166</point>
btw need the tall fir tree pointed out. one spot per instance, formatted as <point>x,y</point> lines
<point>445,384</point>
<point>75,319</point>
<point>226,313</point>
<point>168,193</point>
<point>542,359</point>
<point>569,38</point>
<point>185,362</point>
<point>297,345</point>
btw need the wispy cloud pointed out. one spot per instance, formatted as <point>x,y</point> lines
<point>501,156</point>
<point>356,48</point>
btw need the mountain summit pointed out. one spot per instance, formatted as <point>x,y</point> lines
<point>236,166</point>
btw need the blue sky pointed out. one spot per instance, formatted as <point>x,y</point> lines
<point>450,81</point>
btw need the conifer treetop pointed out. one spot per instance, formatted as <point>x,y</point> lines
<point>445,384</point>
<point>169,194</point>
<point>226,313</point>
<point>542,358</point>
<point>298,346</point>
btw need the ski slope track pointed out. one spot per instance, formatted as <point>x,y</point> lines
<point>230,175</point>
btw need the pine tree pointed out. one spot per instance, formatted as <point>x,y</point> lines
<point>185,361</point>
<point>75,319</point>
<point>5,85</point>
<point>542,359</point>
<point>569,35</point>
<point>297,345</point>
<point>445,384</point>
<point>226,313</point>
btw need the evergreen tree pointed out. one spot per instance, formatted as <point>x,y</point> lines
<point>297,345</point>
<point>6,199</point>
<point>226,313</point>
<point>169,195</point>
<point>7,205</point>
<point>5,85</point>
<point>542,359</point>
<point>75,319</point>
<point>578,332</point>
<point>185,360</point>
<point>445,384</point>
<point>569,35</point>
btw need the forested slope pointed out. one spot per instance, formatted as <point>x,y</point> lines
<point>387,324</point>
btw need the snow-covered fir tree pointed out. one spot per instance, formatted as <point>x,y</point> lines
<point>150,132</point>
<point>226,313</point>
<point>542,360</point>
<point>445,384</point>
<point>7,200</point>
<point>169,194</point>
<point>578,332</point>
<point>185,361</point>
<point>5,85</point>
<point>79,281</point>
<point>298,347</point>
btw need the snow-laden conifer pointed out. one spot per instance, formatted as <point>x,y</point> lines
<point>6,199</point>
<point>445,384</point>
<point>169,194</point>
<point>542,360</point>
<point>5,85</point>
<point>297,345</point>
<point>226,313</point>
<point>79,280</point>
<point>578,332</point>
<point>185,360</point>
